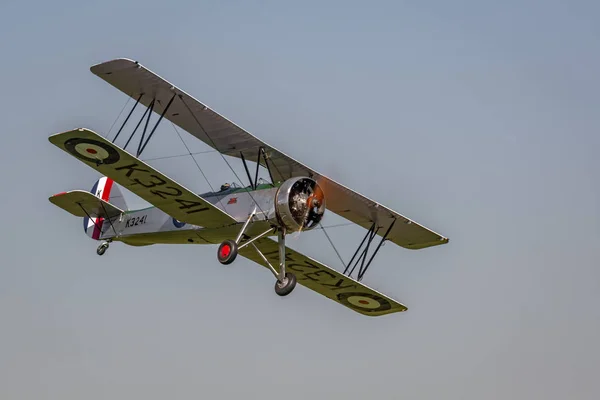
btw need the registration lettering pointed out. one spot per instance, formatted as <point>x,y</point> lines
<point>135,221</point>
<point>306,270</point>
<point>161,188</point>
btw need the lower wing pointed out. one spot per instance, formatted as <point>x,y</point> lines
<point>324,280</point>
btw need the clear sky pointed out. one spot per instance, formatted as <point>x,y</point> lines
<point>478,119</point>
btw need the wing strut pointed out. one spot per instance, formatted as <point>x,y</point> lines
<point>254,182</point>
<point>127,119</point>
<point>363,257</point>
<point>143,143</point>
<point>138,152</point>
<point>264,154</point>
<point>135,129</point>
<point>155,126</point>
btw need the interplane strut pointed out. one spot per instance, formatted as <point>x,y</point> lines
<point>364,264</point>
<point>143,143</point>
<point>254,182</point>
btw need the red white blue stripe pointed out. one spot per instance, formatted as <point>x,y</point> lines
<point>101,189</point>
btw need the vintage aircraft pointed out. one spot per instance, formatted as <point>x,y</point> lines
<point>240,219</point>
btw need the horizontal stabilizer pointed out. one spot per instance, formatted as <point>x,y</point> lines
<point>84,204</point>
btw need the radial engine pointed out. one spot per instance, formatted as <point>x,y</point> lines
<point>299,204</point>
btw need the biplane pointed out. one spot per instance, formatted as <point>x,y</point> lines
<point>250,221</point>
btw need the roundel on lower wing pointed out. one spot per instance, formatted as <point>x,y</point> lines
<point>364,301</point>
<point>178,224</point>
<point>92,150</point>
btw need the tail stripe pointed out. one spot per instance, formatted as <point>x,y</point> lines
<point>86,220</point>
<point>102,189</point>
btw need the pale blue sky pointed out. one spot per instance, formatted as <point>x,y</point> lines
<point>477,119</point>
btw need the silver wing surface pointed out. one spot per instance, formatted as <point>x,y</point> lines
<point>135,80</point>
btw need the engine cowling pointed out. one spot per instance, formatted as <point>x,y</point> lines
<point>299,204</point>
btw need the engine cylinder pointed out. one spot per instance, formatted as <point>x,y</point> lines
<point>299,204</point>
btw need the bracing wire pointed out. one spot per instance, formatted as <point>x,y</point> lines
<point>179,155</point>
<point>197,165</point>
<point>339,225</point>
<point>333,245</point>
<point>189,153</point>
<point>118,116</point>
<point>222,156</point>
<point>236,175</point>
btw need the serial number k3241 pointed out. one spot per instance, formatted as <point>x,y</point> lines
<point>134,221</point>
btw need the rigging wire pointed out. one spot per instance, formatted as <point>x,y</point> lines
<point>222,156</point>
<point>179,155</point>
<point>340,225</point>
<point>332,245</point>
<point>202,172</point>
<point>198,165</point>
<point>118,116</point>
<point>232,170</point>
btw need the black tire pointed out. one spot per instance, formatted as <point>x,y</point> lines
<point>227,252</point>
<point>286,287</point>
<point>101,249</point>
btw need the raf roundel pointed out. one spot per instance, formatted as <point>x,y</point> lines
<point>178,224</point>
<point>92,151</point>
<point>364,301</point>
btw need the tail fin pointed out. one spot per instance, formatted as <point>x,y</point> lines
<point>107,190</point>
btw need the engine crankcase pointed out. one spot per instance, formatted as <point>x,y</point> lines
<point>299,204</point>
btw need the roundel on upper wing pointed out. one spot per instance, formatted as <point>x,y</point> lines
<point>364,301</point>
<point>92,150</point>
<point>178,224</point>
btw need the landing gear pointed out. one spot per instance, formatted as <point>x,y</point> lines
<point>102,248</point>
<point>285,287</point>
<point>228,251</point>
<point>286,281</point>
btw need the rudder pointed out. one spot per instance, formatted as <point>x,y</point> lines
<point>107,190</point>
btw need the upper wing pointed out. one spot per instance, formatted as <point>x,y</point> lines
<point>82,204</point>
<point>324,280</point>
<point>140,178</point>
<point>223,135</point>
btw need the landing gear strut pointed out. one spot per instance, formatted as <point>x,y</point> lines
<point>286,281</point>
<point>228,251</point>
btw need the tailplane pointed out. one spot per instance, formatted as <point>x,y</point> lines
<point>104,201</point>
<point>105,189</point>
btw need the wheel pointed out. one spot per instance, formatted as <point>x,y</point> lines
<point>289,283</point>
<point>227,252</point>
<point>102,249</point>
